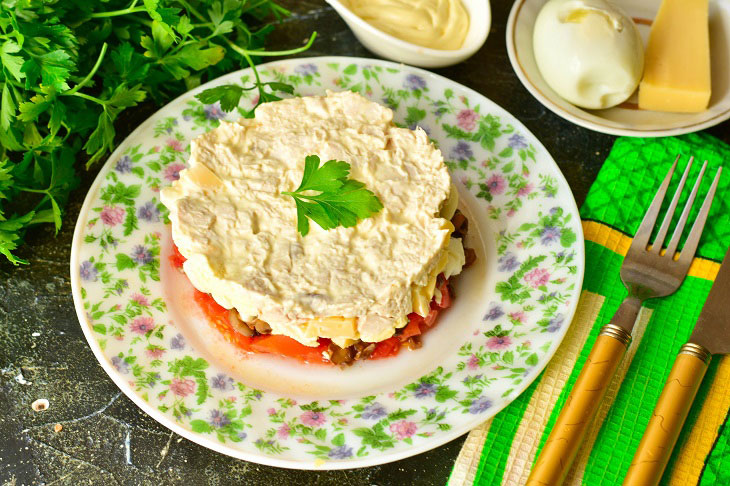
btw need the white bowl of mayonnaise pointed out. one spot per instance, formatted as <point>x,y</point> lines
<point>425,33</point>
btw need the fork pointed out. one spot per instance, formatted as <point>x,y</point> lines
<point>647,272</point>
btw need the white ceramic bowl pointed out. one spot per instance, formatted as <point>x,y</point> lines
<point>625,119</point>
<point>389,47</point>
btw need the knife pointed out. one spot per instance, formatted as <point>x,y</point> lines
<point>711,335</point>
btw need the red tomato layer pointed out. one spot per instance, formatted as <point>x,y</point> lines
<point>285,346</point>
<point>265,343</point>
<point>176,258</point>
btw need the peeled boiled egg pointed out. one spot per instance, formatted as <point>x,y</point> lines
<point>588,51</point>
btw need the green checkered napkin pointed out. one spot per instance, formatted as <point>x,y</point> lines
<point>503,450</point>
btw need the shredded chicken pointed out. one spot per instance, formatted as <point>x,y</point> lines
<point>360,350</point>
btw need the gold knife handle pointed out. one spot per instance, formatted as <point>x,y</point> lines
<point>669,414</point>
<point>585,398</point>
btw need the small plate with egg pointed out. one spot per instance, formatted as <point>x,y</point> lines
<point>598,85</point>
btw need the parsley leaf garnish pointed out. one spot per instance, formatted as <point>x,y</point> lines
<point>340,202</point>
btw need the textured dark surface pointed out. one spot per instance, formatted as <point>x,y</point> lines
<point>106,439</point>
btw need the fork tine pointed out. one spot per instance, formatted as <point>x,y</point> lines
<point>641,238</point>
<point>656,247</point>
<point>674,242</point>
<point>690,246</point>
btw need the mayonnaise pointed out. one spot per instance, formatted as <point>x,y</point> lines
<point>239,233</point>
<point>438,24</point>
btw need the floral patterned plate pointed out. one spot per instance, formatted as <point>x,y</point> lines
<point>511,310</point>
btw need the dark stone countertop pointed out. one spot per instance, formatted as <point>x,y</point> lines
<point>106,439</point>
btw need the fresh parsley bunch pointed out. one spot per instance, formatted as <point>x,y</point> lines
<point>70,67</point>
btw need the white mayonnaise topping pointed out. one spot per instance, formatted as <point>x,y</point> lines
<point>239,233</point>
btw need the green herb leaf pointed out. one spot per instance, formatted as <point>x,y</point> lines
<point>124,97</point>
<point>10,62</point>
<point>53,67</point>
<point>6,180</point>
<point>102,136</point>
<point>130,65</point>
<point>340,202</point>
<point>31,110</point>
<point>196,56</point>
<point>217,16</point>
<point>229,95</point>
<point>283,87</point>
<point>10,235</point>
<point>184,26</point>
<point>7,109</point>
<point>167,17</point>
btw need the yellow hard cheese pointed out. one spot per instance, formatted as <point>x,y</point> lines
<point>677,59</point>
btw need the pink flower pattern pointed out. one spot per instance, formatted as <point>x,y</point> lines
<point>499,342</point>
<point>112,216</point>
<point>467,119</point>
<point>172,171</point>
<point>403,429</point>
<point>175,145</point>
<point>140,299</point>
<point>313,419</point>
<point>155,353</point>
<point>524,191</point>
<point>537,277</point>
<point>517,316</point>
<point>182,388</point>
<point>283,431</point>
<point>142,325</point>
<point>496,184</point>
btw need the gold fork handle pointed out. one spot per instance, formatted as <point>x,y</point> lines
<point>666,422</point>
<point>579,410</point>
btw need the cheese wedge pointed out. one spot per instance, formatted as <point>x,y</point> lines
<point>677,59</point>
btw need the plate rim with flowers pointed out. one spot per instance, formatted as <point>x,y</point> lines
<point>492,156</point>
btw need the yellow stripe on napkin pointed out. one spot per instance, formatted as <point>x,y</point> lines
<point>618,242</point>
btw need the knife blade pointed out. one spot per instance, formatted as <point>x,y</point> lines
<point>712,330</point>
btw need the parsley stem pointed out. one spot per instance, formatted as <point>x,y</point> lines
<point>284,53</point>
<point>278,11</point>
<point>273,8</point>
<point>90,98</point>
<point>245,55</point>
<point>88,77</point>
<point>117,13</point>
<point>28,189</point>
